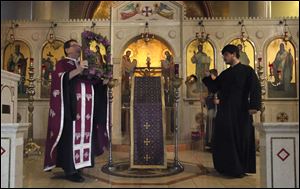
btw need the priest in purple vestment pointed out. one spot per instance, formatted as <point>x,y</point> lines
<point>77,116</point>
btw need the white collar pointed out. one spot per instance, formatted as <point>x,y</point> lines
<point>74,60</point>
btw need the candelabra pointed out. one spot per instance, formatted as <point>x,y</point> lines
<point>31,147</point>
<point>203,36</point>
<point>146,36</point>
<point>177,82</point>
<point>10,36</point>
<point>286,36</point>
<point>111,84</point>
<point>51,34</point>
<point>244,36</point>
<point>260,73</point>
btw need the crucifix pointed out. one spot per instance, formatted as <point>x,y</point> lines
<point>146,142</point>
<point>147,125</point>
<point>147,157</point>
<point>147,11</point>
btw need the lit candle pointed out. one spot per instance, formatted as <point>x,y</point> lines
<point>31,61</point>
<point>12,37</point>
<point>19,69</point>
<point>43,69</point>
<point>50,76</point>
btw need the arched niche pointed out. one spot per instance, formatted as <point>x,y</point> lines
<point>155,49</point>
<point>51,54</point>
<point>16,59</point>
<point>247,51</point>
<point>281,69</point>
<point>192,48</point>
<point>197,63</point>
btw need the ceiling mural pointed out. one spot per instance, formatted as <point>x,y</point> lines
<point>101,9</point>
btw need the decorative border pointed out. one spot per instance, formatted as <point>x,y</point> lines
<point>295,172</point>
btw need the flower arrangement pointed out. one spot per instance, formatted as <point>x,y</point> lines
<point>96,68</point>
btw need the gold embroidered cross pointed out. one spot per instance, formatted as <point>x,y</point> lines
<point>147,157</point>
<point>147,125</point>
<point>147,141</point>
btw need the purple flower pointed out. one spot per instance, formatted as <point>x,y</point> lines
<point>87,52</point>
<point>98,75</point>
<point>95,70</point>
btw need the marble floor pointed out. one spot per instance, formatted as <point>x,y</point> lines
<point>190,178</point>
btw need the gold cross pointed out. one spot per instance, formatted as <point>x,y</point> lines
<point>147,141</point>
<point>147,125</point>
<point>147,157</point>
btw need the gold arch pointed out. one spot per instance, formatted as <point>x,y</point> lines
<point>193,46</point>
<point>272,50</point>
<point>25,50</point>
<point>55,52</point>
<point>248,48</point>
<point>155,49</point>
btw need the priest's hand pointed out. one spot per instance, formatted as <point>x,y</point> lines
<point>252,111</point>
<point>83,65</point>
<point>216,101</point>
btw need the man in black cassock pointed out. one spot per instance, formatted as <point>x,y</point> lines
<point>233,142</point>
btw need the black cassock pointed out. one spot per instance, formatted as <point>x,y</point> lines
<point>233,141</point>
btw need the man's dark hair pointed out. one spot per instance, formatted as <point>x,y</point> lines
<point>214,72</point>
<point>231,49</point>
<point>67,45</point>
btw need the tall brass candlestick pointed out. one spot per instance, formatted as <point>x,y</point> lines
<point>31,147</point>
<point>177,83</point>
<point>261,78</point>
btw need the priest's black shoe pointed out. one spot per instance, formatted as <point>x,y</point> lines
<point>76,177</point>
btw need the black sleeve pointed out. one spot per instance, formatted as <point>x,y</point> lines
<point>212,85</point>
<point>69,96</point>
<point>255,91</point>
<point>100,103</point>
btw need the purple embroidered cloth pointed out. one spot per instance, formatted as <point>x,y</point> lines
<point>82,120</point>
<point>148,144</point>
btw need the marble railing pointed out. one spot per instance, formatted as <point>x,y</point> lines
<point>9,94</point>
<point>279,158</point>
<point>12,144</point>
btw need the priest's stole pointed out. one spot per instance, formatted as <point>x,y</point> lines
<point>147,124</point>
